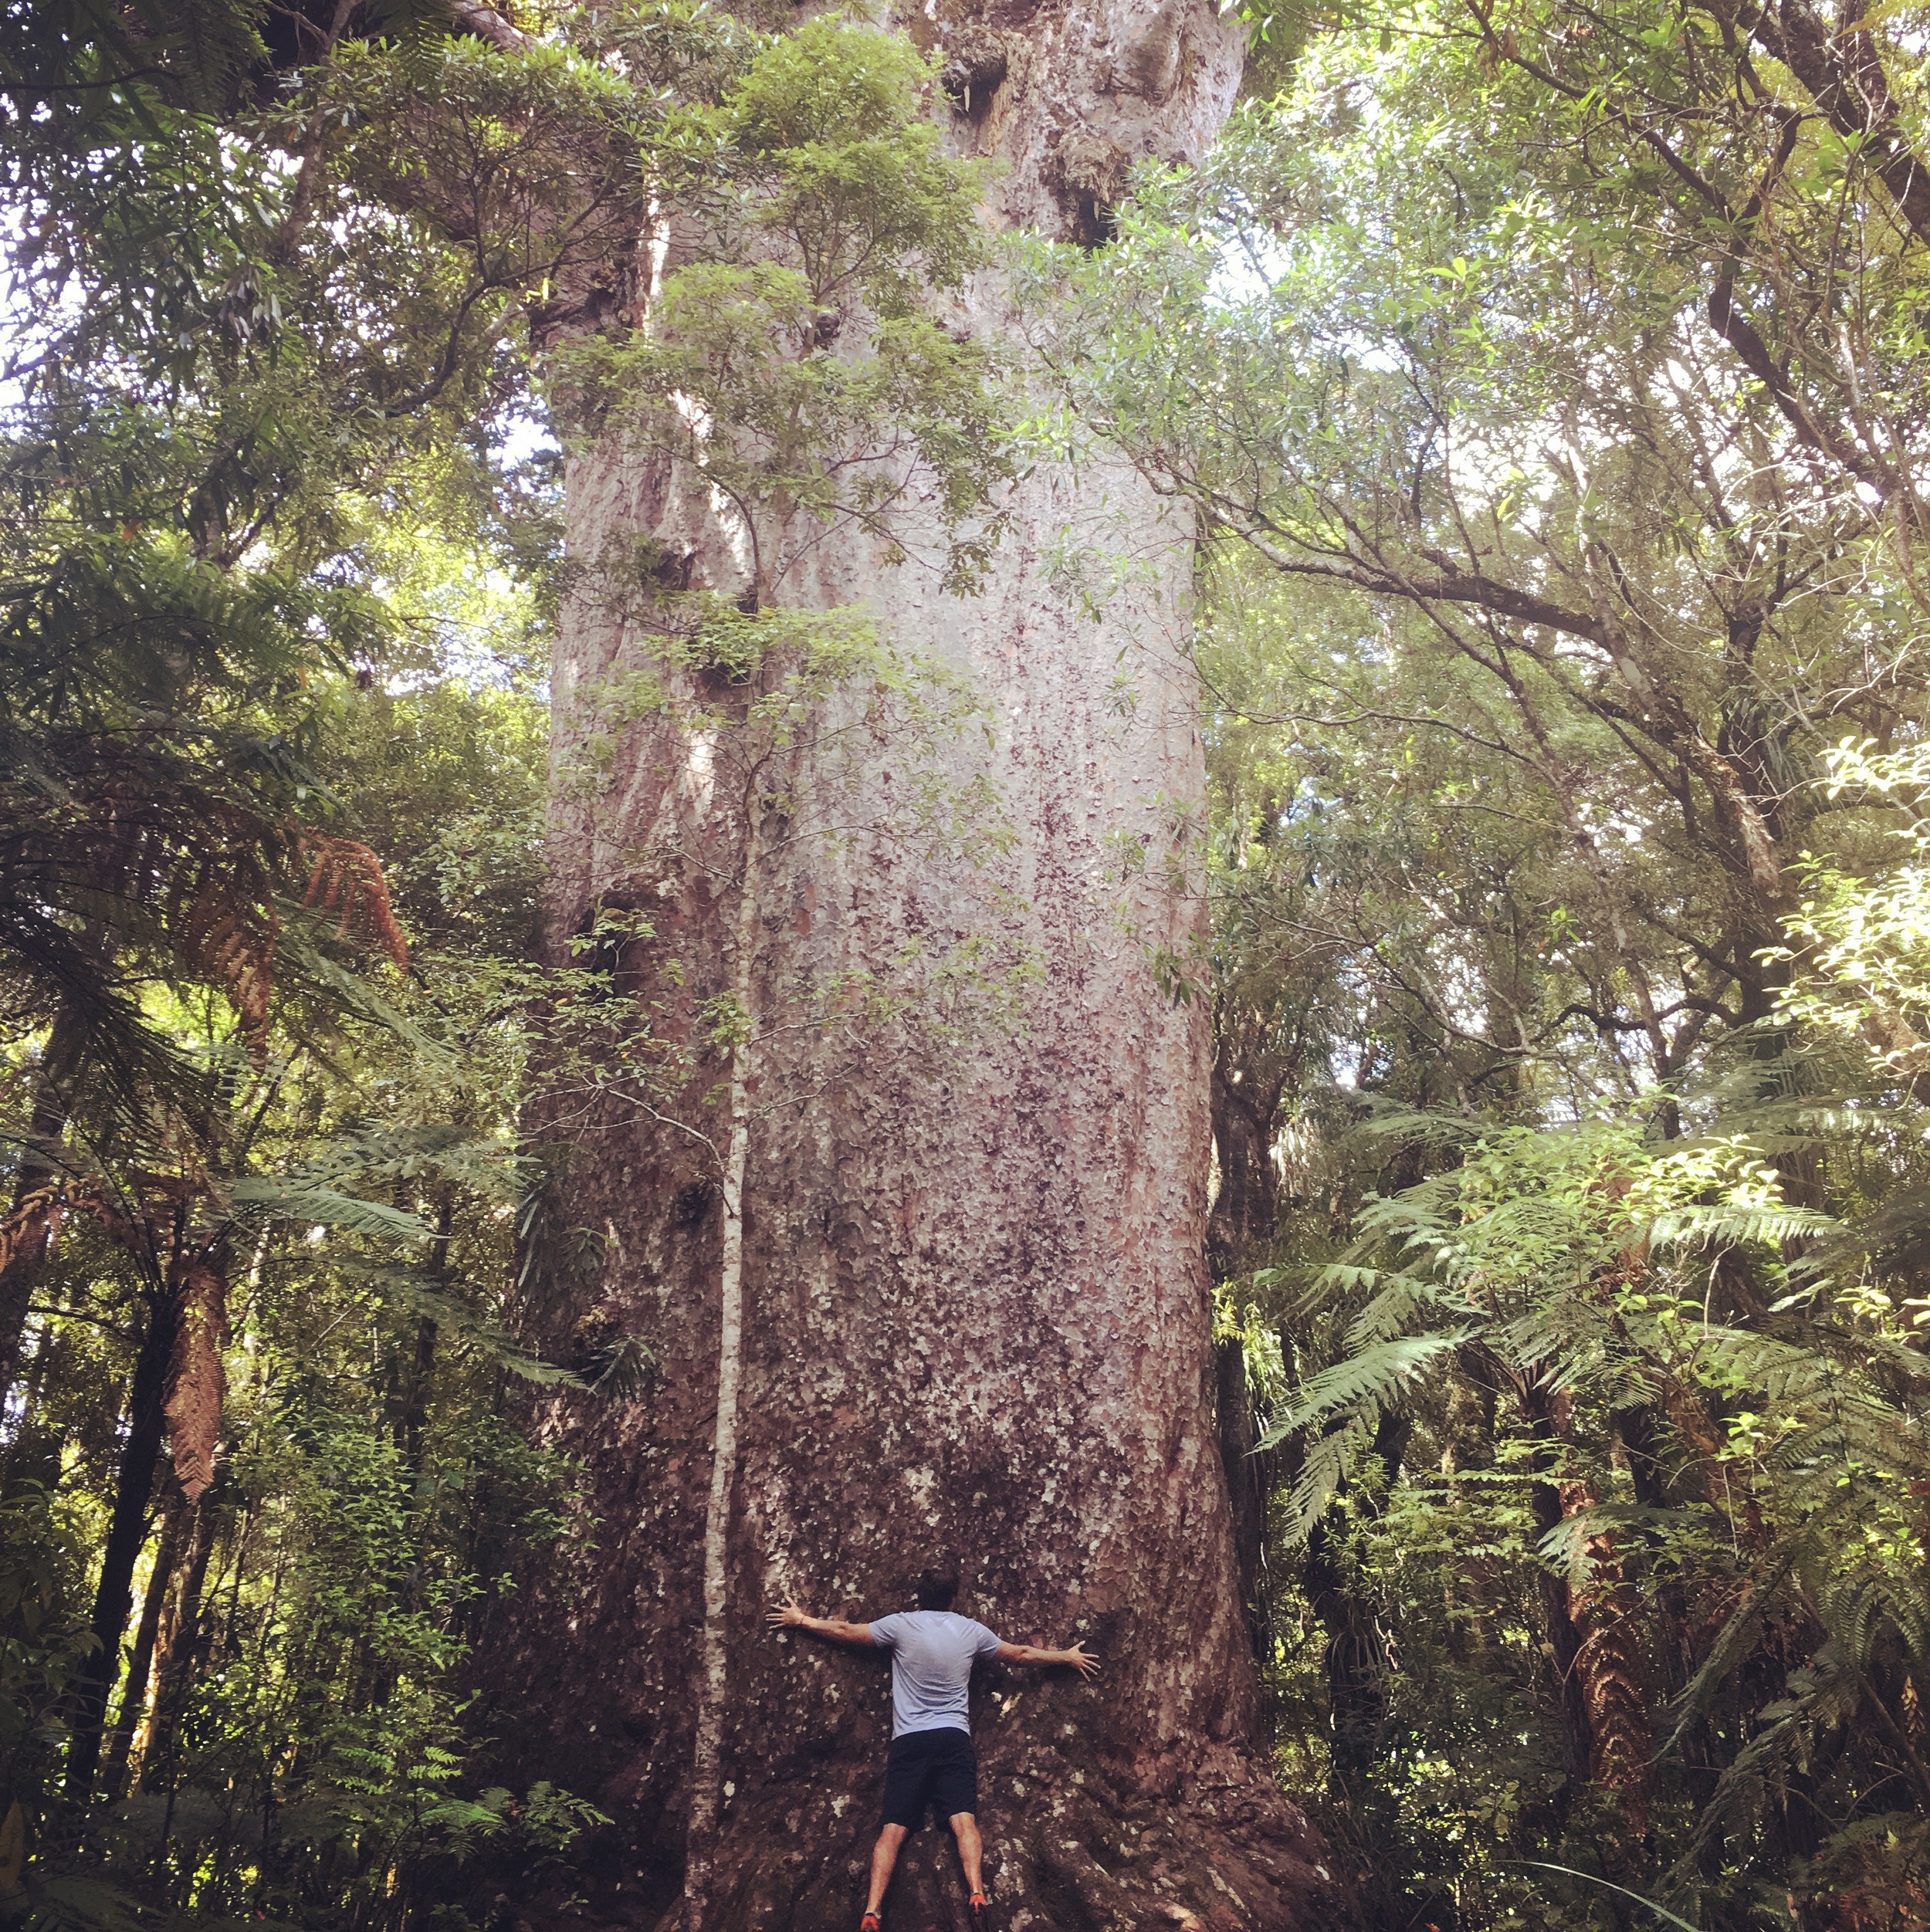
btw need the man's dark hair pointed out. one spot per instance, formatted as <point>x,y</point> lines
<point>936,1589</point>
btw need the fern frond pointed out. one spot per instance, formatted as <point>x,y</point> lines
<point>1390,1120</point>
<point>346,879</point>
<point>1565,1548</point>
<point>32,1224</point>
<point>1372,1378</point>
<point>1731,1225</point>
<point>230,941</point>
<point>1393,1311</point>
<point>423,1297</point>
<point>277,1198</point>
<point>1734,1640</point>
<point>434,1150</point>
<point>1823,1695</point>
<point>1327,1463</point>
<point>302,962</point>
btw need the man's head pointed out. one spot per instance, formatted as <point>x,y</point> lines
<point>936,1589</point>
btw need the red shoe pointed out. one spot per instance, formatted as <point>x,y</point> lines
<point>869,1923</point>
<point>978,1909</point>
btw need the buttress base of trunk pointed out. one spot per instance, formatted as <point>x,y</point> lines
<point>1238,1859</point>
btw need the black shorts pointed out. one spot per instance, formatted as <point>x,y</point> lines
<point>937,1769</point>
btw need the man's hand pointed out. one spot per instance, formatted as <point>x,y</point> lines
<point>1081,1659</point>
<point>792,1615</point>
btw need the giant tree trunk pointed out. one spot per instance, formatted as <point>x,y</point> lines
<point>964,1307</point>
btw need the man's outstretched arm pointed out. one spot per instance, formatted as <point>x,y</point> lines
<point>1081,1659</point>
<point>794,1616</point>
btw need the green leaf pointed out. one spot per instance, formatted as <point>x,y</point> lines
<point>320,1207</point>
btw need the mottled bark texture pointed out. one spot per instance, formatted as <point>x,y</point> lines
<point>975,1301</point>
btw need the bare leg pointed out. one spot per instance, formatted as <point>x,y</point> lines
<point>971,1849</point>
<point>884,1855</point>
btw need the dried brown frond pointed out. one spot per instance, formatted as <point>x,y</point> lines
<point>39,1214</point>
<point>1612,1667</point>
<point>135,1238</point>
<point>1613,1672</point>
<point>345,878</point>
<point>197,1381</point>
<point>231,941</point>
<point>1872,1879</point>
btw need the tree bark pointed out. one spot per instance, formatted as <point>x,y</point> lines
<point>1356,1657</point>
<point>963,1300</point>
<point>176,1646</point>
<point>133,1698</point>
<point>412,1421</point>
<point>1565,1636</point>
<point>127,1532</point>
<point>706,1776</point>
<point>1250,1481</point>
<point>1246,1109</point>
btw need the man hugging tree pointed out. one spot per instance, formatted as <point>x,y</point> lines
<point>932,1761</point>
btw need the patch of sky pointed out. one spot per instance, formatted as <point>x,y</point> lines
<point>1307,802</point>
<point>519,436</point>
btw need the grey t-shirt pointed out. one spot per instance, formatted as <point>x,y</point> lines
<point>933,1652</point>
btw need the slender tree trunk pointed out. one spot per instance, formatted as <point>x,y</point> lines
<point>226,1644</point>
<point>127,1532</point>
<point>133,1698</point>
<point>706,1774</point>
<point>1249,1480</point>
<point>948,1310</point>
<point>1356,1659</point>
<point>1246,1212</point>
<point>1363,1812</point>
<point>175,1646</point>
<point>413,1421</point>
<point>1564,1636</point>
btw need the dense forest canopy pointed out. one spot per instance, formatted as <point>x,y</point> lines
<point>1550,387</point>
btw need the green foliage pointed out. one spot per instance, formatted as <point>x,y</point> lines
<point>844,166</point>
<point>42,1566</point>
<point>1861,937</point>
<point>1550,388</point>
<point>1549,383</point>
<point>271,726</point>
<point>799,365</point>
